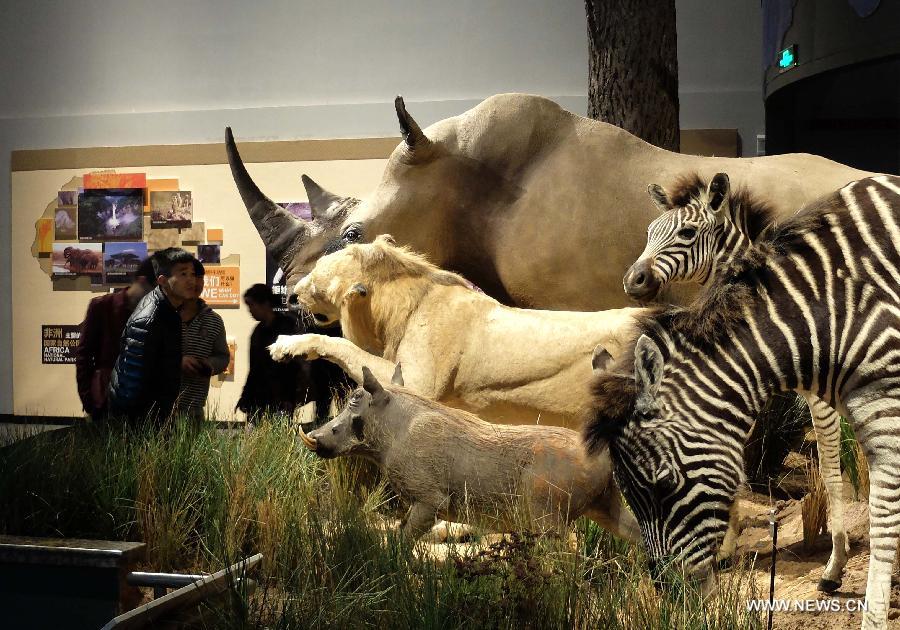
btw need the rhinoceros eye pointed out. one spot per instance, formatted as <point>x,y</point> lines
<point>351,235</point>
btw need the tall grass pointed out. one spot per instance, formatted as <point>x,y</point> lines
<point>201,499</point>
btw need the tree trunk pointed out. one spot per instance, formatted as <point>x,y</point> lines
<point>633,75</point>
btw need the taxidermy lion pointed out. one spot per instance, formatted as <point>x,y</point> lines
<point>457,345</point>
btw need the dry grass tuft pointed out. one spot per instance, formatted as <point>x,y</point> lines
<point>814,506</point>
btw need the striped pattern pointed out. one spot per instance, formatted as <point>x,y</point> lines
<point>701,229</point>
<point>813,309</point>
<point>199,338</point>
<point>720,235</point>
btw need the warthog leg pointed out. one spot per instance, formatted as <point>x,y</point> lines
<point>419,520</point>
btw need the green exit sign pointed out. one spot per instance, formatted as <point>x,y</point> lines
<point>787,58</point>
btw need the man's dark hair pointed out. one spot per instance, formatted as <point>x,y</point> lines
<point>198,268</point>
<point>145,270</point>
<point>261,294</point>
<point>165,259</point>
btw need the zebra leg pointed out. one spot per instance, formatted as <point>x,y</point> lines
<point>877,432</point>
<point>884,534</point>
<point>827,424</point>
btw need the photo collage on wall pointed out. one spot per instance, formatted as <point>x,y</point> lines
<point>113,221</point>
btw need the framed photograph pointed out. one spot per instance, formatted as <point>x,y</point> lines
<point>65,224</point>
<point>45,236</point>
<point>121,260</point>
<point>171,209</point>
<point>110,179</point>
<point>110,214</point>
<point>299,209</point>
<point>77,259</point>
<point>67,198</point>
<point>209,254</point>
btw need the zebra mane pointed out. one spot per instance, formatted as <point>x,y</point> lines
<point>704,323</point>
<point>756,215</point>
<point>709,320</point>
<point>810,218</point>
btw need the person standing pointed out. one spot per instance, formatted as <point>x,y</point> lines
<point>271,387</point>
<point>147,375</point>
<point>204,349</point>
<point>101,331</point>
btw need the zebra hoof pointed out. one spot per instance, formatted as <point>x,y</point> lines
<point>829,586</point>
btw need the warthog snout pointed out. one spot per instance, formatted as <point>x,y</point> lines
<point>309,442</point>
<point>640,282</point>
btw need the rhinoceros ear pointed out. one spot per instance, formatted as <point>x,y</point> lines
<point>371,384</point>
<point>397,379</point>
<point>415,140</point>
<point>321,202</point>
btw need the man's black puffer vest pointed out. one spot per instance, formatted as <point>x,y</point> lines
<point>147,375</point>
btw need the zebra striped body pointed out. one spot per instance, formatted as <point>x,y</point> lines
<point>814,309</point>
<point>701,231</point>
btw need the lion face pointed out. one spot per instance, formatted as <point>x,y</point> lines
<point>324,289</point>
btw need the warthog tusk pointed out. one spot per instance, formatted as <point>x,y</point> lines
<point>308,441</point>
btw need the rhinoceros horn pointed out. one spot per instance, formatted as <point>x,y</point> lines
<point>279,229</point>
<point>320,200</point>
<point>415,140</point>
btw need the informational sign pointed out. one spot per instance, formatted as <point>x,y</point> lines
<point>222,286</point>
<point>277,281</point>
<point>58,343</point>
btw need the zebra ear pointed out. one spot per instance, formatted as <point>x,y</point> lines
<point>717,194</point>
<point>648,369</point>
<point>659,197</point>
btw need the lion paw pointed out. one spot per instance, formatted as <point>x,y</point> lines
<point>290,346</point>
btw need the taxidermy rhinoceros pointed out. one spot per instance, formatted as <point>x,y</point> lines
<point>539,207</point>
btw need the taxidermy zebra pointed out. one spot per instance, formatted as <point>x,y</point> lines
<point>812,307</point>
<point>702,229</point>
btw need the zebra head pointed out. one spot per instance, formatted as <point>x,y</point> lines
<point>679,490</point>
<point>682,243</point>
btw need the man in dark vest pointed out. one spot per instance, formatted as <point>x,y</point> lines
<point>101,332</point>
<point>147,376</point>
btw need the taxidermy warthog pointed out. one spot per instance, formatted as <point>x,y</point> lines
<point>450,464</point>
<point>537,206</point>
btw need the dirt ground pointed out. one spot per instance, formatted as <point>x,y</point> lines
<point>798,571</point>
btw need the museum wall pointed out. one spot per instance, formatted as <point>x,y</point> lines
<point>121,73</point>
